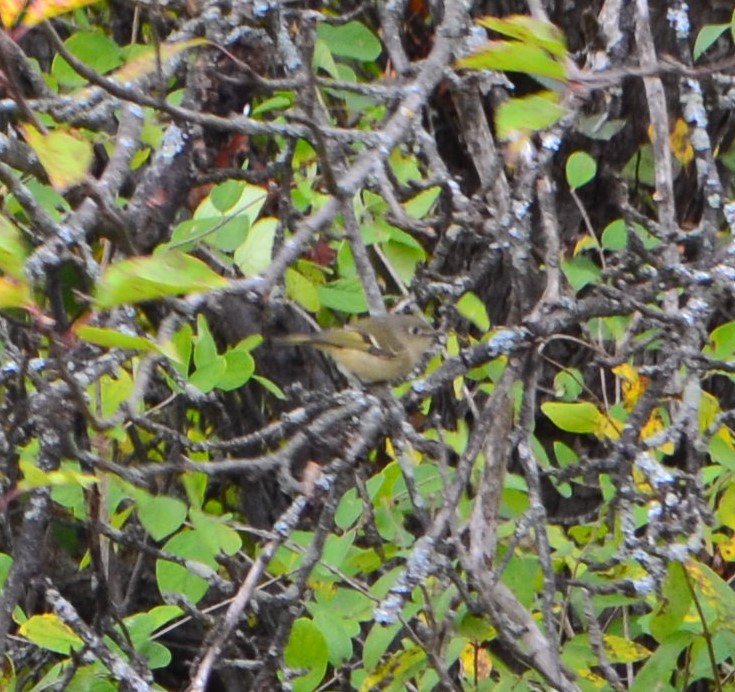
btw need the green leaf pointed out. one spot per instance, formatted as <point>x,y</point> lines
<point>65,156</point>
<point>270,386</point>
<point>528,114</point>
<point>707,35</point>
<point>346,295</point>
<point>48,632</point>
<point>580,271</point>
<point>96,50</point>
<point>615,236</point>
<point>111,338</point>
<point>219,537</point>
<point>208,376</point>
<point>419,206</point>
<point>205,349</point>
<point>13,251</point>
<point>225,195</point>
<point>154,276</point>
<point>565,455</point>
<point>582,417</point>
<point>144,61</point>
<point>673,607</point>
<point>474,310</point>
<point>255,254</point>
<point>274,103</point>
<point>177,579</point>
<point>323,59</point>
<point>306,649</point>
<point>160,516</point>
<point>514,56</point>
<point>529,30</point>
<point>721,342</point>
<point>303,291</point>
<point>599,128</point>
<point>240,367</point>
<point>661,664</point>
<point>337,634</point>
<point>580,169</point>
<point>141,626</point>
<point>403,259</point>
<point>568,384</point>
<point>351,40</point>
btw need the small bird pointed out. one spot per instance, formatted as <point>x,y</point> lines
<point>374,349</point>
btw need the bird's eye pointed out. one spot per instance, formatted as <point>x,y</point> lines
<point>414,331</point>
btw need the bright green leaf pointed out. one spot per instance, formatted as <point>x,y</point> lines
<point>346,295</point>
<point>96,50</point>
<point>581,417</point>
<point>306,649</point>
<point>568,384</point>
<point>474,310</point>
<point>13,251</point>
<point>49,632</point>
<point>529,30</point>
<point>615,236</point>
<point>177,579</point>
<point>721,342</point>
<point>240,368</point>
<point>154,276</point>
<point>580,169</point>
<point>419,206</point>
<point>514,56</point>
<point>528,114</point>
<point>111,338</point>
<point>581,271</point>
<point>303,291</point>
<point>160,516</point>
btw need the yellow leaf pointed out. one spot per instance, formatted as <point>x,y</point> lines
<point>14,294</point>
<point>11,11</point>
<point>65,155</point>
<point>680,142</point>
<point>475,662</point>
<point>633,384</point>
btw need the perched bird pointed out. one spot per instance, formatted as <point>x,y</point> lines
<point>374,349</point>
